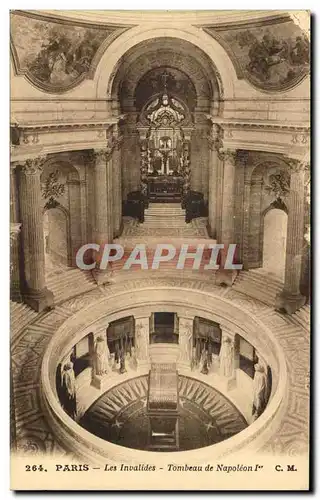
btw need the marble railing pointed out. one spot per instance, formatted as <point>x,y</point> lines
<point>185,302</point>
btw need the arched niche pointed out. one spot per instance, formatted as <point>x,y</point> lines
<point>60,186</point>
<point>263,197</point>
<point>56,228</point>
<point>274,235</point>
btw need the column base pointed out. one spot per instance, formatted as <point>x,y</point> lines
<point>102,276</point>
<point>226,276</point>
<point>118,230</point>
<point>99,381</point>
<point>289,303</point>
<point>15,293</point>
<point>212,231</point>
<point>39,300</point>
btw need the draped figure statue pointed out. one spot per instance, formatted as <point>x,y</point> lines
<point>226,358</point>
<point>101,356</point>
<point>259,390</point>
<point>69,390</point>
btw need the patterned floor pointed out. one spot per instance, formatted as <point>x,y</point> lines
<point>205,416</point>
<point>197,228</point>
<point>29,343</point>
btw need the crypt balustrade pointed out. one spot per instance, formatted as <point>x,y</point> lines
<point>230,356</point>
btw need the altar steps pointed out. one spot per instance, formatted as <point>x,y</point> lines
<point>164,215</point>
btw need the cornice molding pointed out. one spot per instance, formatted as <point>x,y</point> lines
<point>249,23</point>
<point>252,125</point>
<point>28,134</point>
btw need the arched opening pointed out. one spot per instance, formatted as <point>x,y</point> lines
<point>274,242</point>
<point>56,236</point>
<point>166,87</point>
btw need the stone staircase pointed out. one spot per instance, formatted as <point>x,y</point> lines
<point>259,284</point>
<point>164,215</point>
<point>303,317</point>
<point>20,316</point>
<point>70,283</point>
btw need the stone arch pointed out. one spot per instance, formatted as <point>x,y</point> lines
<point>173,53</point>
<point>115,55</point>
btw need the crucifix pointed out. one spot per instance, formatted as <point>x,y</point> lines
<point>164,78</point>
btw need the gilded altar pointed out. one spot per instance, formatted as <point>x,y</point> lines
<point>164,128</point>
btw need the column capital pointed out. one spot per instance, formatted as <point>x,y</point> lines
<point>228,155</point>
<point>101,154</point>
<point>33,166</point>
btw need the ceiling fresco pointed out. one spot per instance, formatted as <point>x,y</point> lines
<point>272,56</point>
<point>55,54</point>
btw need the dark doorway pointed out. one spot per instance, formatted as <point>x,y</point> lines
<point>164,328</point>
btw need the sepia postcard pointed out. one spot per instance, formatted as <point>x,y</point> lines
<point>160,250</point>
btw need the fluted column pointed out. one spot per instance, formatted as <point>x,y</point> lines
<point>214,140</point>
<point>102,213</point>
<point>185,342</point>
<point>290,299</point>
<point>142,340</point>
<point>246,222</point>
<point>117,186</point>
<point>103,230</point>
<point>15,228</point>
<point>111,206</point>
<point>227,216</point>
<point>35,292</point>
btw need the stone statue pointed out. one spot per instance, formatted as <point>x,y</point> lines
<point>69,390</point>
<point>194,362</point>
<point>259,390</point>
<point>133,360</point>
<point>185,341</point>
<point>204,357</point>
<point>226,358</point>
<point>122,362</point>
<point>101,356</point>
<point>142,341</point>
